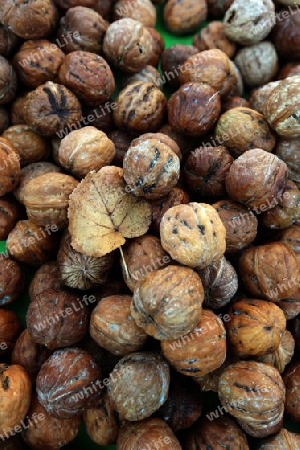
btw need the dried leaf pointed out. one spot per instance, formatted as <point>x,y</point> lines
<point>102,213</point>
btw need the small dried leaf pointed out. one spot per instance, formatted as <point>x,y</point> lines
<point>102,213</point>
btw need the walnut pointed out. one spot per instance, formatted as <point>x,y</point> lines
<point>148,74</point>
<point>134,114</point>
<point>234,102</point>
<point>286,32</point>
<point>8,84</point>
<point>291,305</point>
<point>205,171</point>
<point>158,45</point>
<point>281,441</point>
<point>161,137</point>
<point>193,234</point>
<point>269,271</point>
<point>291,378</point>
<point>194,109</point>
<point>284,353</point>
<point>217,8</point>
<point>68,372</point>
<point>140,10</point>
<point>10,329</point>
<point>138,385</point>
<point>8,41</point>
<point>122,141</point>
<point>249,23</point>
<point>213,36</point>
<point>240,223</point>
<point>258,63</point>
<point>257,179</point>
<point>17,110</point>
<point>46,277</point>
<point>289,152</point>
<point>12,281</point>
<point>289,70</point>
<point>202,350</point>
<point>10,213</point>
<point>151,168</point>
<point>281,108</point>
<point>254,394</point>
<point>241,129</point>
<point>46,199</point>
<point>259,95</point>
<point>10,167</point>
<point>172,59</point>
<point>291,237</point>
<point>127,45</point>
<point>182,17</point>
<point>185,143</point>
<point>100,117</point>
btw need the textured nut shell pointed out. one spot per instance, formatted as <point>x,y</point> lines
<point>10,167</point>
<point>167,303</point>
<point>113,328</point>
<point>201,351</point>
<point>283,355</point>
<point>176,196</point>
<point>281,441</point>
<point>12,281</point>
<point>161,137</point>
<point>291,378</point>
<point>213,37</point>
<point>291,238</point>
<point>193,234</point>
<point>139,385</point>
<point>8,83</point>
<point>134,436</point>
<point>291,305</point>
<point>184,17</point>
<point>255,327</point>
<point>10,213</point>
<point>254,393</point>
<point>289,152</point>
<point>140,10</point>
<point>10,329</point>
<point>259,95</point>
<point>46,277</point>
<point>15,396</point>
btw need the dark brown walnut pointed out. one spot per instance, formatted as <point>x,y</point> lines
<point>183,17</point>
<point>29,145</point>
<point>148,74</point>
<point>213,36</point>
<point>50,108</point>
<point>248,23</point>
<point>29,354</point>
<point>291,237</point>
<point>10,213</point>
<point>219,432</point>
<point>235,102</point>
<point>12,281</point>
<point>205,171</point>
<point>127,45</point>
<point>68,372</point>
<point>259,95</point>
<point>100,116</point>
<point>140,256</point>
<point>38,61</point>
<point>167,303</point>
<point>100,422</point>
<point>158,45</point>
<point>217,8</point>
<point>193,234</point>
<point>65,315</point>
<point>212,67</point>
<point>286,34</point>
<point>291,305</point>
<point>80,271</point>
<point>50,432</point>
<point>254,394</point>
<point>172,59</point>
<point>140,10</point>
<point>9,167</point>
<point>15,394</point>
<point>8,41</point>
<point>202,350</point>
<point>281,108</point>
<point>291,378</point>
<point>176,196</point>
<point>138,385</point>
<point>17,110</point>
<point>82,28</point>
<point>87,75</point>
<point>84,150</point>
<point>286,212</point>
<point>122,141</point>
<point>269,271</point>
<point>10,329</point>
<point>281,441</point>
<point>46,199</point>
<point>140,108</point>
<point>255,327</point>
<point>31,244</point>
<point>46,277</point>
<point>289,70</point>
<point>257,179</point>
<point>241,129</point>
<point>184,404</point>
<point>151,432</point>
<point>4,119</point>
<point>151,168</point>
<point>289,152</point>
<point>8,83</point>
<point>24,18</point>
<point>161,137</point>
<point>240,223</point>
<point>185,143</point>
<point>257,63</point>
<point>194,109</point>
<point>30,172</point>
<point>113,328</point>
<point>102,357</point>
<point>284,353</point>
<point>220,283</point>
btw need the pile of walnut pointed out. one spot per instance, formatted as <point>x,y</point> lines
<point>164,233</point>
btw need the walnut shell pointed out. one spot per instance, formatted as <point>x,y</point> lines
<point>46,277</point>
<point>185,16</point>
<point>193,234</point>
<point>167,302</point>
<point>172,59</point>
<point>10,329</point>
<point>8,84</point>
<point>12,281</point>
<point>284,353</point>
<point>291,378</point>
<point>140,10</point>
<point>259,95</point>
<point>138,385</point>
<point>10,167</point>
<point>291,305</point>
<point>281,441</point>
<point>202,350</point>
<point>289,152</point>
<point>10,213</point>
<point>213,36</point>
<point>291,237</point>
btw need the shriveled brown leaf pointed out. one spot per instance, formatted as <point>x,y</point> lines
<point>102,213</point>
